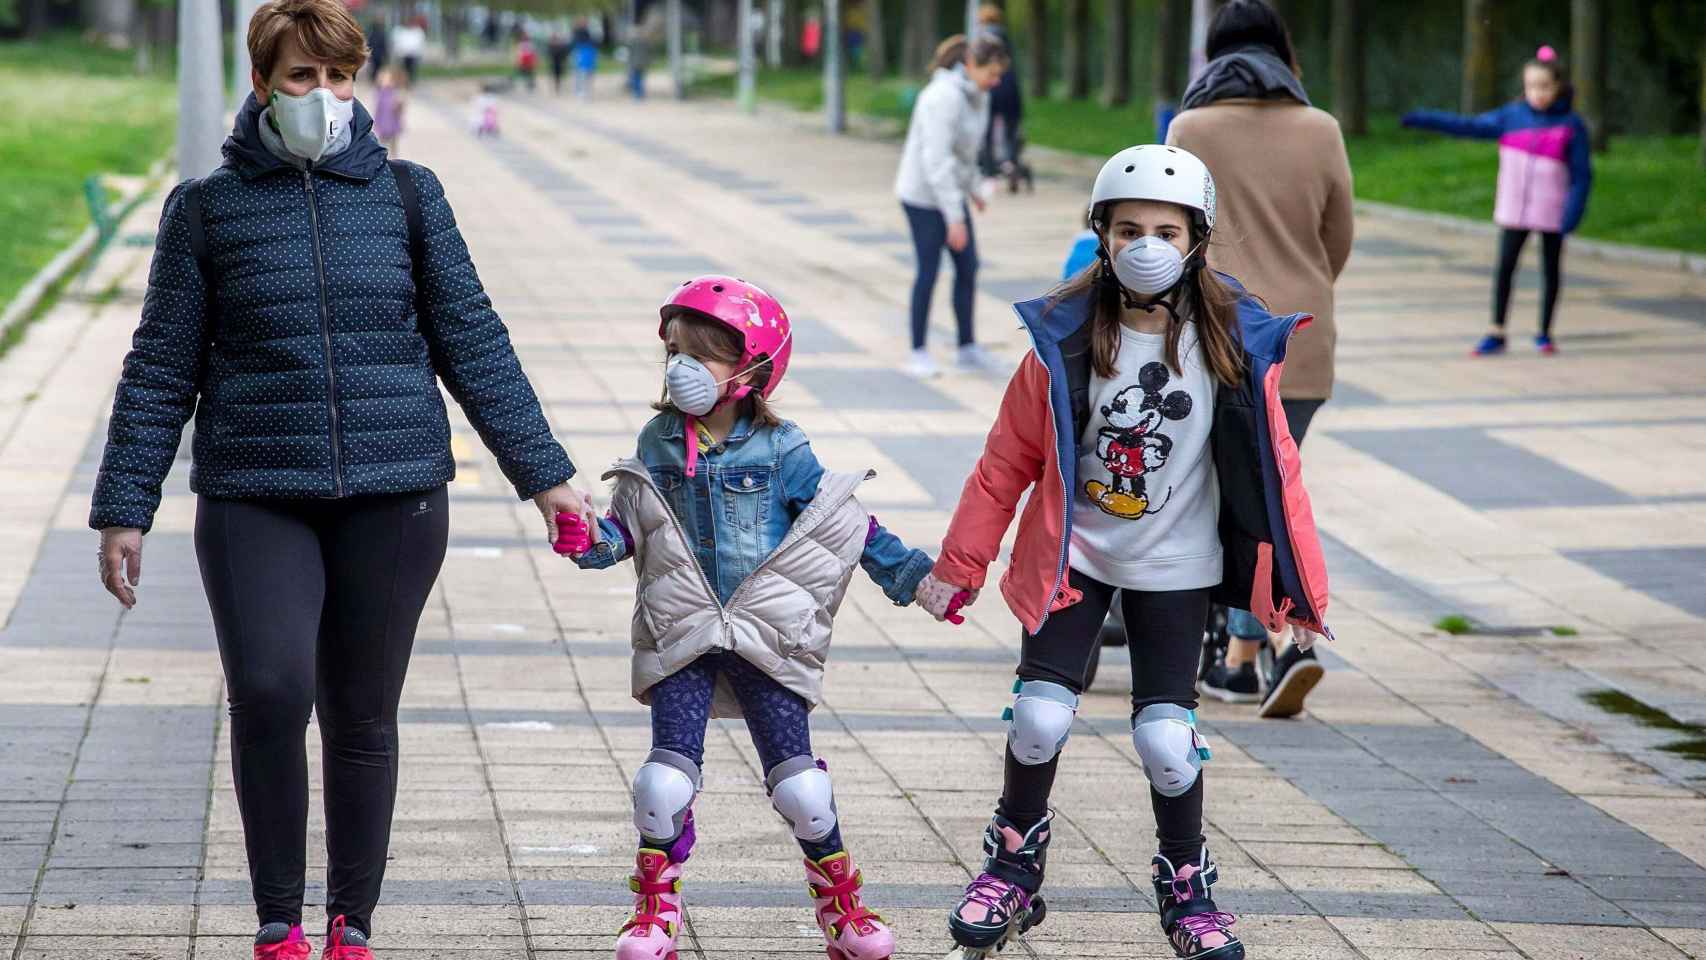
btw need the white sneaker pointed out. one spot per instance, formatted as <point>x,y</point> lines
<point>921,364</point>
<point>974,359</point>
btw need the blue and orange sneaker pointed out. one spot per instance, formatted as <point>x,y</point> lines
<point>342,943</point>
<point>1490,345</point>
<point>1544,345</point>
<point>281,941</point>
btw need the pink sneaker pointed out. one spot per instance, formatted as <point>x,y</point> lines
<point>851,931</point>
<point>650,934</point>
<point>342,943</point>
<point>294,946</point>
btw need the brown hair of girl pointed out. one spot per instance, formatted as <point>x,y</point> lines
<point>1206,300</point>
<point>707,338</point>
<point>983,49</point>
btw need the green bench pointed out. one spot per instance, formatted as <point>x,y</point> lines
<point>106,216</point>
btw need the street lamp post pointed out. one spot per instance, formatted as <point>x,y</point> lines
<point>201,88</point>
<point>240,66</point>
<point>834,74</point>
<point>677,68</point>
<point>748,95</point>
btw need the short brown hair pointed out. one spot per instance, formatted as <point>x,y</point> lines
<point>323,28</point>
<point>700,336</point>
<point>981,49</point>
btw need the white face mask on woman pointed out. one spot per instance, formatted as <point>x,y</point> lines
<point>311,123</point>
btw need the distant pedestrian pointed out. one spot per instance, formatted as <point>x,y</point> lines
<point>1545,172</point>
<point>408,44</point>
<point>938,184</point>
<point>585,52</point>
<point>642,40</point>
<point>1285,206</point>
<point>388,104</point>
<point>379,45</point>
<point>557,51</point>
<point>527,62</point>
<point>1001,141</point>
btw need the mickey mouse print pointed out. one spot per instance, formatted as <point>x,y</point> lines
<point>1131,445</point>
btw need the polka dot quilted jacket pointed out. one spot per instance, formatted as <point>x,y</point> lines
<point>308,355</point>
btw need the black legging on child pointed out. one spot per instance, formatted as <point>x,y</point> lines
<point>315,603</point>
<point>1551,259</point>
<point>1165,639</point>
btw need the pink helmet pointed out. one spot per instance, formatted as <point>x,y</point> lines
<point>747,309</point>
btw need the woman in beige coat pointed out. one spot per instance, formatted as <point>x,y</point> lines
<point>1285,230</point>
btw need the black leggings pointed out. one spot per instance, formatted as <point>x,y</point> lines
<point>929,237</point>
<point>1551,262</point>
<point>1164,633</point>
<point>315,604</point>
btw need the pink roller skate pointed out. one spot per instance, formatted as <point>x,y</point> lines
<point>851,931</point>
<point>650,934</point>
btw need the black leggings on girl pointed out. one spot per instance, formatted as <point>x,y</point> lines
<point>1551,260</point>
<point>315,604</point>
<point>1165,630</point>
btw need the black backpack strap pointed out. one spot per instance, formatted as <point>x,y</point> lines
<point>194,220</point>
<point>411,214</point>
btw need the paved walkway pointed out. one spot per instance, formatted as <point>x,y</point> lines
<point>1448,797</point>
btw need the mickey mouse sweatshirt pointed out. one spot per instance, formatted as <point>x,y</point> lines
<point>1148,501</point>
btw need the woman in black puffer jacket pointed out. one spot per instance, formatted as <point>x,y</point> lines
<point>309,341</point>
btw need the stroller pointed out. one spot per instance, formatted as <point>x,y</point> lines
<point>1002,155</point>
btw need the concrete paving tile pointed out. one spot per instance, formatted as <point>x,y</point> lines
<point>104,948</point>
<point>100,920</point>
<point>1577,942</point>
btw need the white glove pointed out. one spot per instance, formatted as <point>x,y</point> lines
<point>935,596</point>
<point>1303,638</point>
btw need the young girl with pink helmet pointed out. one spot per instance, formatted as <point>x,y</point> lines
<point>744,546</point>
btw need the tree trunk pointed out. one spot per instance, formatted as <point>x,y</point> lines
<point>834,73</point>
<point>1172,49</point>
<point>35,19</point>
<point>1587,57</point>
<point>923,23</point>
<point>1116,69</point>
<point>1350,67</point>
<point>1703,100</point>
<point>876,40</point>
<point>1077,53</point>
<point>142,41</point>
<point>1038,54</point>
<point>792,55</point>
<point>1480,56</point>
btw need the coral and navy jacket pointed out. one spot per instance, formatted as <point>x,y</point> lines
<point>1544,166</point>
<point>1274,564</point>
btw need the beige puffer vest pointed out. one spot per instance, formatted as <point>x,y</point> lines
<point>779,618</point>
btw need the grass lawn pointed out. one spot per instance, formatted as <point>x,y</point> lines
<point>1647,190</point>
<point>72,110</point>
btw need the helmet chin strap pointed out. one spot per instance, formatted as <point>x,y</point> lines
<point>736,395</point>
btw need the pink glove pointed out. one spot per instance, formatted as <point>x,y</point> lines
<point>573,538</point>
<point>942,600</point>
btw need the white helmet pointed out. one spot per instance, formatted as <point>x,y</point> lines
<point>1156,172</point>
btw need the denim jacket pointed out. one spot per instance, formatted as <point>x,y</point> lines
<point>746,494</point>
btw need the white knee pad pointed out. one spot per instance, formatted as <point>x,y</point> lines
<point>664,788</point>
<point>1168,744</point>
<point>1040,720</point>
<point>800,791</point>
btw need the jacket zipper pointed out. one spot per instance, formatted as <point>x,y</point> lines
<point>325,333</point>
<point>1065,523</point>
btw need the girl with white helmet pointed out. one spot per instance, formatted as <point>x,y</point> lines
<point>744,547</point>
<point>1147,420</point>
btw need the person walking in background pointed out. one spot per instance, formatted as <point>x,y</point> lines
<point>1285,232</point>
<point>408,43</point>
<point>283,313</point>
<point>938,182</point>
<point>1000,155</point>
<point>585,51</point>
<point>388,104</point>
<point>643,36</point>
<point>526,60</point>
<point>557,49</point>
<point>1545,173</point>
<point>379,49</point>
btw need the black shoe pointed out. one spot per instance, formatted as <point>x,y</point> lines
<point>1232,684</point>
<point>1291,676</point>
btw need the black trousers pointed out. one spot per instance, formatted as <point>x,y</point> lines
<point>315,603</point>
<point>1164,631</point>
<point>1551,263</point>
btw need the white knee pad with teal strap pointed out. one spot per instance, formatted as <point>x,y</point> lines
<point>1170,747</point>
<point>1040,720</point>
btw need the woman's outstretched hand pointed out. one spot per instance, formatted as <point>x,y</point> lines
<point>563,498</point>
<point>936,596</point>
<point>120,560</point>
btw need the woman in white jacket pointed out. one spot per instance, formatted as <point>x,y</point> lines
<point>937,184</point>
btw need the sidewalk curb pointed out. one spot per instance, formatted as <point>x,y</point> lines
<point>66,260</point>
<point>1655,257</point>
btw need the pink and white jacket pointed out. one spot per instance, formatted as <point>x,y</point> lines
<point>1544,166</point>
